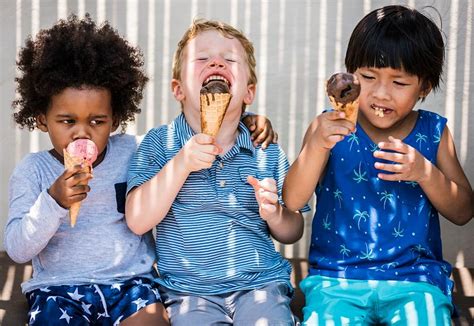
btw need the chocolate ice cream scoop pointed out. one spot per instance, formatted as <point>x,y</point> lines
<point>215,87</point>
<point>343,90</point>
<point>215,98</point>
<point>343,87</point>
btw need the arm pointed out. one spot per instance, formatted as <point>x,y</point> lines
<point>34,214</point>
<point>148,204</point>
<point>445,185</point>
<point>285,226</point>
<point>304,174</point>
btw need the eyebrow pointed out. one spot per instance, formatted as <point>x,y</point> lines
<point>101,116</point>
<point>398,75</point>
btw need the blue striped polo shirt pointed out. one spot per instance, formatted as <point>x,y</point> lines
<point>213,240</point>
<point>368,228</point>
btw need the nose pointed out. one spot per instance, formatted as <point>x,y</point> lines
<point>381,91</point>
<point>216,63</point>
<point>81,131</point>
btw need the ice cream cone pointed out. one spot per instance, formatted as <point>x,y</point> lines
<point>213,108</point>
<point>351,109</point>
<point>69,162</point>
<point>343,90</point>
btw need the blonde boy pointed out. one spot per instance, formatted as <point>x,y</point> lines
<point>214,201</point>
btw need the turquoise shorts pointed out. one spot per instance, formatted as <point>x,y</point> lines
<point>337,301</point>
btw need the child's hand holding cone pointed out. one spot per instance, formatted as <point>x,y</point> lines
<point>81,152</point>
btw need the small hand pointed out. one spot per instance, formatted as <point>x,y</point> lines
<point>71,186</point>
<point>409,164</point>
<point>200,152</point>
<point>266,193</point>
<point>332,127</point>
<point>261,130</point>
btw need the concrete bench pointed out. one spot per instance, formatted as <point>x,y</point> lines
<point>13,306</point>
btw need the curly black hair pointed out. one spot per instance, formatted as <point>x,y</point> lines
<point>77,53</point>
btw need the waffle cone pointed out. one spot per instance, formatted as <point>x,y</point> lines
<point>213,108</point>
<point>69,162</point>
<point>351,109</point>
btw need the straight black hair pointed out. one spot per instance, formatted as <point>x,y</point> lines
<point>400,38</point>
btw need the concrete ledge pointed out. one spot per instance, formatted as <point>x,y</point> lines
<point>13,306</point>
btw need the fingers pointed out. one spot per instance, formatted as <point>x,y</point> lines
<point>203,139</point>
<point>70,172</point>
<point>200,152</point>
<point>340,119</point>
<point>71,190</point>
<point>391,156</point>
<point>394,144</point>
<point>268,208</point>
<point>261,130</point>
<point>252,126</point>
<point>266,189</point>
<point>334,115</point>
<point>253,182</point>
<point>261,135</point>
<point>395,168</point>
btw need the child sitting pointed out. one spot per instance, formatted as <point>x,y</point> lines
<point>215,201</point>
<point>375,255</point>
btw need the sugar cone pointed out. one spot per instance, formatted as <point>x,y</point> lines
<point>213,108</point>
<point>69,162</point>
<point>351,109</point>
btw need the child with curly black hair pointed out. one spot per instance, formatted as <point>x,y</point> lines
<point>80,80</point>
<point>83,81</point>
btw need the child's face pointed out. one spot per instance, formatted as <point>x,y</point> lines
<point>387,95</point>
<point>79,113</point>
<point>212,54</point>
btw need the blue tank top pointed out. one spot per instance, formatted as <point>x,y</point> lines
<point>368,228</point>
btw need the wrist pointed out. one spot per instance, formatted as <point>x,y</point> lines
<point>426,176</point>
<point>318,146</point>
<point>181,162</point>
<point>276,216</point>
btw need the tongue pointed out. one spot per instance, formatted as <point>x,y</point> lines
<point>215,87</point>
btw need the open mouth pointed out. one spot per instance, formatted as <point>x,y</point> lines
<point>379,111</point>
<point>216,78</point>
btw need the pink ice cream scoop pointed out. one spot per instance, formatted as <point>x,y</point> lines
<point>83,149</point>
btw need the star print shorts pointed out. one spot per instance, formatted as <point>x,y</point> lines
<point>92,304</point>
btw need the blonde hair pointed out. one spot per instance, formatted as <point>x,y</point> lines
<point>201,25</point>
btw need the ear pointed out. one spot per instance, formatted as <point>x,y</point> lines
<point>249,97</point>
<point>41,123</point>
<point>115,125</point>
<point>177,90</point>
<point>425,90</point>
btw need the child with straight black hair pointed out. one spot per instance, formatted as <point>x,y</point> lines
<point>375,255</point>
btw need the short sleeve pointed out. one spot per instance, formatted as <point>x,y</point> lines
<point>148,160</point>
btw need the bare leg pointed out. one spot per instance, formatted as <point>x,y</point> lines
<point>154,314</point>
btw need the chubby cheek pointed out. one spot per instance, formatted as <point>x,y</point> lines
<point>59,143</point>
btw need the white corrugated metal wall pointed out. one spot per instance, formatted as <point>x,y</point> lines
<point>299,43</point>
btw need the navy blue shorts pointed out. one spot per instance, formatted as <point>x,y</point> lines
<point>90,304</point>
